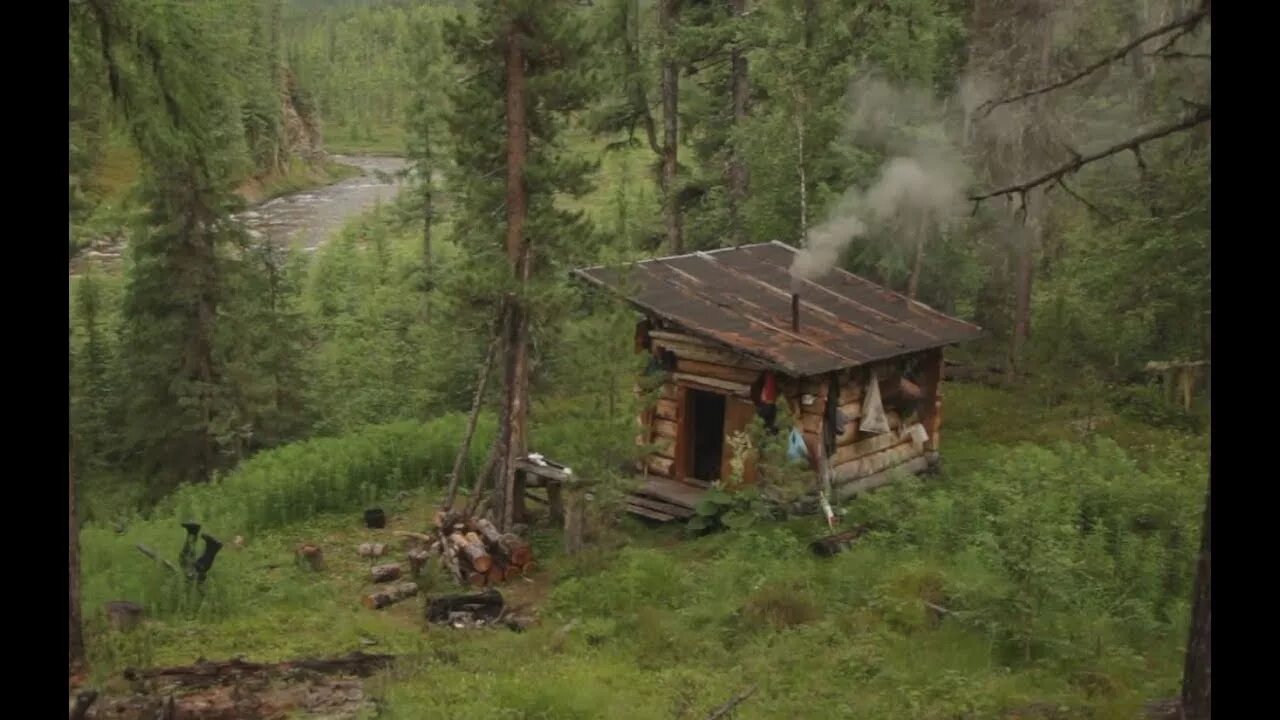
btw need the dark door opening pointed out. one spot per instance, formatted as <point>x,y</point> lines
<point>706,431</point>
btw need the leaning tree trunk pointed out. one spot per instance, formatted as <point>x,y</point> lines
<point>737,163</point>
<point>670,126</point>
<point>1195,673</point>
<point>515,406</point>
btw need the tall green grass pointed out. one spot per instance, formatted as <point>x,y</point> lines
<point>274,489</point>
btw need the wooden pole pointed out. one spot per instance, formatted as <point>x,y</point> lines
<point>476,403</point>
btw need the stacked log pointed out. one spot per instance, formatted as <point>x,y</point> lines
<point>476,553</point>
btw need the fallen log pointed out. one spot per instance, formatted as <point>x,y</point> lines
<point>474,551</point>
<point>385,573</point>
<point>225,672</point>
<point>390,595</point>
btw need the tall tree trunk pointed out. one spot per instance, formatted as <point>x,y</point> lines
<point>75,636</point>
<point>515,400</point>
<point>670,126</point>
<point>1195,673</point>
<point>737,163</point>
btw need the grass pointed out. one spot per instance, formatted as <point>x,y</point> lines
<point>378,141</point>
<point>649,623</point>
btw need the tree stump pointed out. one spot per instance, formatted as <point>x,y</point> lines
<point>418,560</point>
<point>123,615</point>
<point>385,573</point>
<point>389,595</point>
<point>372,549</point>
<point>311,556</point>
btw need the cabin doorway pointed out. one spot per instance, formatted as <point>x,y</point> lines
<point>704,428</point>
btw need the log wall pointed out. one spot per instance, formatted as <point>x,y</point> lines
<point>700,364</point>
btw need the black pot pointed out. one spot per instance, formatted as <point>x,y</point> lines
<point>375,518</point>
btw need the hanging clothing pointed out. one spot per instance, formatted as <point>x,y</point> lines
<point>769,391</point>
<point>873,418</point>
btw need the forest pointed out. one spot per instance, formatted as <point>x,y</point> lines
<point>321,260</point>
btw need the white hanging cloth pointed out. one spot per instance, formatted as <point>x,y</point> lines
<point>873,418</point>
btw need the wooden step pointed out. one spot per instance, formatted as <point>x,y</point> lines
<point>646,512</point>
<point>671,491</point>
<point>662,507</point>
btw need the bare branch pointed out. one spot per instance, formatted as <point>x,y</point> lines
<point>1132,144</point>
<point>1183,26</point>
<point>1083,200</point>
<point>1177,55</point>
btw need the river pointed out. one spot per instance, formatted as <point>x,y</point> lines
<point>304,220</point>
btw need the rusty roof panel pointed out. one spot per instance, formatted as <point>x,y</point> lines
<point>741,298</point>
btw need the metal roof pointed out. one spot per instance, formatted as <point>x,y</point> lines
<point>741,298</point>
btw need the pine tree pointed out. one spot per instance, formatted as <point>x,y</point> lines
<point>520,58</point>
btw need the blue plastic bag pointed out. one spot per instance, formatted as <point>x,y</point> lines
<point>796,449</point>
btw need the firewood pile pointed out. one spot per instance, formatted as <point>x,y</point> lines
<point>476,553</point>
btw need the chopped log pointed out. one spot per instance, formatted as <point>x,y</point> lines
<point>123,615</point>
<point>372,550</point>
<point>475,552</point>
<point>496,574</point>
<point>837,543</point>
<point>492,536</point>
<point>521,552</point>
<point>229,672</point>
<point>449,557</point>
<point>418,560</point>
<point>729,373</point>
<point>714,384</point>
<point>311,556</point>
<point>389,595</point>
<point>385,573</point>
<point>478,579</point>
<point>487,605</point>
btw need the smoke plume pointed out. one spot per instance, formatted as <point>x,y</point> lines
<point>918,189</point>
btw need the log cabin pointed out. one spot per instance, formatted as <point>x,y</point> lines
<point>731,334</point>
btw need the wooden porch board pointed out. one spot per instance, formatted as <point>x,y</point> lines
<point>673,510</point>
<point>676,493</point>
<point>646,512</point>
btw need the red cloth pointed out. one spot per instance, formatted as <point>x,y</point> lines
<point>769,392</point>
